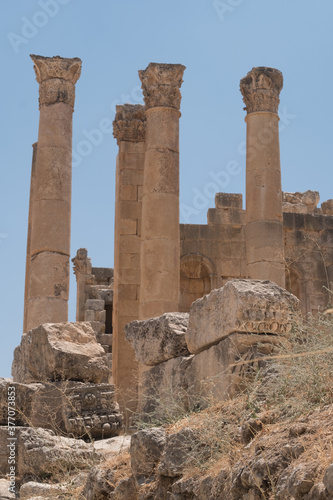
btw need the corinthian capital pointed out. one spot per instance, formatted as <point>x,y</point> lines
<point>130,123</point>
<point>261,88</point>
<point>82,263</point>
<point>161,85</point>
<point>56,77</point>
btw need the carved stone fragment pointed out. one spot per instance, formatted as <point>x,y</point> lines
<point>251,306</point>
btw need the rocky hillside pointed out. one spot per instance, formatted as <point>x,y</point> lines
<point>272,441</point>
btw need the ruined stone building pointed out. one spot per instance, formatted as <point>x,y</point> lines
<point>160,265</point>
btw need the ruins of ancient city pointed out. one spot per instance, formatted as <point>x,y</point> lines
<point>184,308</point>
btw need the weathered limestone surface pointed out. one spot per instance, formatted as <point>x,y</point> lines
<point>146,449</point>
<point>219,372</point>
<point>33,490</point>
<point>301,202</point>
<point>178,452</point>
<point>264,232</point>
<point>160,247</point>
<point>40,452</point>
<point>50,217</point>
<point>164,389</point>
<point>158,339</point>
<point>327,207</point>
<point>5,494</point>
<point>60,351</point>
<point>129,128</point>
<point>177,385</point>
<point>28,257</point>
<point>240,306</point>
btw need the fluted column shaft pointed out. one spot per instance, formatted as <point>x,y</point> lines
<point>51,218</point>
<point>264,220</point>
<point>160,246</point>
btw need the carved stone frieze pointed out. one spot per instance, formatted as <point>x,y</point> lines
<point>261,88</point>
<point>57,77</point>
<point>92,409</point>
<point>161,85</point>
<point>130,123</point>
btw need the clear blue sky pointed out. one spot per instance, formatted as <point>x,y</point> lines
<point>218,42</point>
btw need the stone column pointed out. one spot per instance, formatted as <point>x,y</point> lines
<point>264,221</point>
<point>51,217</point>
<point>28,257</point>
<point>129,130</point>
<point>82,270</point>
<point>160,246</point>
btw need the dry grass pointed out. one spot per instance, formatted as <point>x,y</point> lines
<point>294,383</point>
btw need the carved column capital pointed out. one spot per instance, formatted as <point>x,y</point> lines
<point>56,77</point>
<point>161,85</point>
<point>261,88</point>
<point>81,263</point>
<point>130,123</point>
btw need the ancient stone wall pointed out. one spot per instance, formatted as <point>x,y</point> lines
<point>94,302</point>
<point>214,253</point>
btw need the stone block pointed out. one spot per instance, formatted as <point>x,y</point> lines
<point>220,371</point>
<point>5,493</point>
<point>105,338</point>
<point>43,267</point>
<point>127,226</point>
<point>129,260</point>
<point>164,177</point>
<point>90,316</point>
<point>129,243</point>
<point>224,200</point>
<point>240,306</point>
<point>95,305</point>
<point>160,210</point>
<point>127,292</point>
<point>103,275</point>
<point>129,276</point>
<point>130,209</point>
<point>97,327</point>
<point>128,193</point>
<point>101,316</point>
<point>164,390</point>
<point>33,490</point>
<point>106,295</point>
<point>40,452</point>
<point>130,177</point>
<point>146,450</point>
<point>128,308</point>
<point>190,231</point>
<point>162,129</point>
<point>158,339</point>
<point>327,207</point>
<point>232,216</point>
<point>297,208</point>
<point>60,351</point>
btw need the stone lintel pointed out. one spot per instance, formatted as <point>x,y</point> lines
<point>130,123</point>
<point>57,77</point>
<point>261,88</point>
<point>161,85</point>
